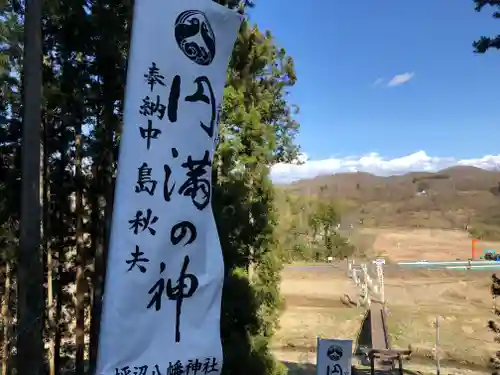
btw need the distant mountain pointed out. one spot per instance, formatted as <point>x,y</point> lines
<point>449,198</point>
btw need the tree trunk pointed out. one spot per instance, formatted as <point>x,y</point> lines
<point>30,268</point>
<point>103,174</point>
<point>50,286</point>
<point>60,256</point>
<point>6,320</point>
<point>58,310</point>
<point>80,261</point>
<point>50,311</point>
<point>47,235</point>
<point>101,235</point>
<point>96,239</point>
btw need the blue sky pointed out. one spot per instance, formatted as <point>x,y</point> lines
<point>446,108</point>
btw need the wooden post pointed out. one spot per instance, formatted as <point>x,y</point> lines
<point>380,275</point>
<point>30,268</point>
<point>372,363</point>
<point>438,367</point>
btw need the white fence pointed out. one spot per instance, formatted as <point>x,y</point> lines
<point>370,288</point>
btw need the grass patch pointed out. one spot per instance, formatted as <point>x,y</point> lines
<point>461,300</point>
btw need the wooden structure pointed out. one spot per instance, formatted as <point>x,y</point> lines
<point>379,333</point>
<point>389,355</point>
<point>371,296</point>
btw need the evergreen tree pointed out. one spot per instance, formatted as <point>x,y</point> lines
<point>485,43</point>
<point>85,44</point>
<point>257,130</point>
<point>493,325</point>
<point>10,107</point>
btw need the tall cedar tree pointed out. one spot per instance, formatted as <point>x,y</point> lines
<point>257,130</point>
<point>85,53</point>
<point>11,41</point>
<point>110,51</point>
<point>60,95</point>
<point>485,43</point>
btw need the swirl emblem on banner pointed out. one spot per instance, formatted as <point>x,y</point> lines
<point>195,37</point>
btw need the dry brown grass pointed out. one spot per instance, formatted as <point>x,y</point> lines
<point>429,244</point>
<point>461,300</point>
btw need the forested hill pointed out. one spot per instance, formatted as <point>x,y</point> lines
<point>450,198</point>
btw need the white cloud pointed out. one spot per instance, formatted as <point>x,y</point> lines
<point>400,79</point>
<point>375,164</point>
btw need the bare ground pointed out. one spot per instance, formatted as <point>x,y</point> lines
<point>428,244</point>
<point>460,299</point>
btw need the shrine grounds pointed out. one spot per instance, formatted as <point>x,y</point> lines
<point>461,300</point>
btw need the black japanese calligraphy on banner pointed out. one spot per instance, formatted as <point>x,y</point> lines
<point>144,180</point>
<point>149,133</point>
<point>139,370</point>
<point>176,292</point>
<point>137,259</point>
<point>154,107</point>
<point>143,221</point>
<point>154,77</point>
<point>133,370</point>
<point>197,186</point>
<point>168,188</point>
<point>200,96</point>
<point>166,263</point>
<point>196,366</point>
<point>180,230</point>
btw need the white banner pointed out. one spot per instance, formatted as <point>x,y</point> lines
<point>162,302</point>
<point>334,357</point>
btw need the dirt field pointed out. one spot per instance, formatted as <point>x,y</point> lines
<point>461,299</point>
<point>429,244</point>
